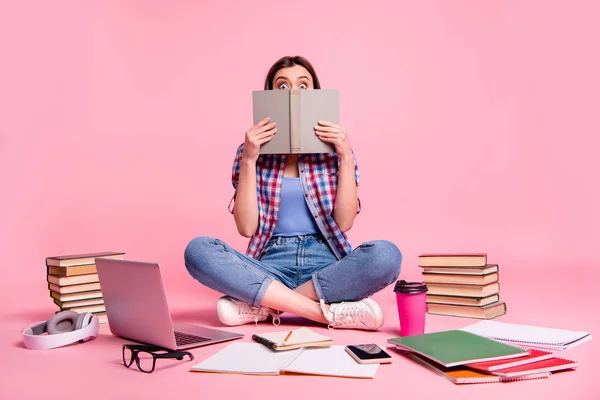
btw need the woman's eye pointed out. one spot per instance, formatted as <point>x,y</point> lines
<point>283,86</point>
<point>303,86</point>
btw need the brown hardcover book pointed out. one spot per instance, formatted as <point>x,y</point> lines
<point>72,280</point>
<point>94,294</point>
<point>485,270</point>
<point>92,309</point>
<point>486,312</point>
<point>81,259</point>
<point>84,287</point>
<point>464,301</point>
<point>461,279</point>
<point>73,270</point>
<point>453,260</point>
<point>79,303</point>
<point>446,289</point>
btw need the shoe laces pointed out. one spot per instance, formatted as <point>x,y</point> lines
<point>342,314</point>
<point>256,312</point>
<point>274,315</point>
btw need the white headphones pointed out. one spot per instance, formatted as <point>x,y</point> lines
<point>63,328</point>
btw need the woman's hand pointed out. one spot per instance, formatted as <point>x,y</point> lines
<point>336,135</point>
<point>346,198</point>
<point>260,133</point>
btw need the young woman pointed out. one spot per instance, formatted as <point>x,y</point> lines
<point>295,209</point>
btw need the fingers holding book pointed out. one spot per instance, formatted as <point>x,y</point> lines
<point>334,134</point>
<point>260,133</point>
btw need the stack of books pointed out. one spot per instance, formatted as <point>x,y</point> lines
<point>74,285</point>
<point>462,285</point>
<point>466,358</point>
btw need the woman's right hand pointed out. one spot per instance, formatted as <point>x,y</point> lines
<point>260,133</point>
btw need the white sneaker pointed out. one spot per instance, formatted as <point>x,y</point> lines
<point>234,312</point>
<point>364,314</point>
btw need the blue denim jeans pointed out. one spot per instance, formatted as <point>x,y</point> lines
<point>293,261</point>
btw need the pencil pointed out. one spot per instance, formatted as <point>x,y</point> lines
<point>287,338</point>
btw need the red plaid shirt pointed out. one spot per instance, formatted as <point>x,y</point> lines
<point>318,173</point>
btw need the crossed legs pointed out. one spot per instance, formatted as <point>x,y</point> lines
<point>368,269</point>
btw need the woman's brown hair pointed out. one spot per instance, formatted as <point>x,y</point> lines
<point>289,61</point>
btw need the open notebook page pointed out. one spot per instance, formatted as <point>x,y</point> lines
<point>247,358</point>
<point>332,361</point>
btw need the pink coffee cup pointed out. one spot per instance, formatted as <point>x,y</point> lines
<point>412,307</point>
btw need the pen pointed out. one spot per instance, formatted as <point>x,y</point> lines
<point>287,338</point>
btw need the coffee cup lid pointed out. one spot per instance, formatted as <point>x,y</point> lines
<point>410,287</point>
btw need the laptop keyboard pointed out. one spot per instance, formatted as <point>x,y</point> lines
<point>183,339</point>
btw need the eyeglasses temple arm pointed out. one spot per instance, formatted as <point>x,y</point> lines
<point>175,354</point>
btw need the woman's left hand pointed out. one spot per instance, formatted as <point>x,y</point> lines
<point>336,135</point>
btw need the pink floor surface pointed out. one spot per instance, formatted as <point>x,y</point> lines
<point>94,370</point>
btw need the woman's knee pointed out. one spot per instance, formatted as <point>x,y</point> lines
<point>387,259</point>
<point>196,252</point>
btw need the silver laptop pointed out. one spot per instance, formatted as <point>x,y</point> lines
<point>137,309</point>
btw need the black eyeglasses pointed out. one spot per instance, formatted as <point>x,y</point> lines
<point>145,356</point>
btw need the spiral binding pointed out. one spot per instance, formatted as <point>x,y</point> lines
<point>269,343</point>
<point>496,379</point>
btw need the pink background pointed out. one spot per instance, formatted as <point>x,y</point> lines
<point>474,123</point>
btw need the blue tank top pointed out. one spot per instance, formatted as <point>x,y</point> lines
<point>294,218</point>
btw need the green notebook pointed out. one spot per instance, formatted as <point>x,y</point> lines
<point>451,348</point>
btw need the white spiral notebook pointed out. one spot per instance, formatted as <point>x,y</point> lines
<point>256,359</point>
<point>528,335</point>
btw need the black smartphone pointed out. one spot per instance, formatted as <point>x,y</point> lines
<point>368,354</point>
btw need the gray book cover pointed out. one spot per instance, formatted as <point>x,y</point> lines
<point>296,113</point>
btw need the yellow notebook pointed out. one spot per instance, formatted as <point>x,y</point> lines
<point>302,337</point>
